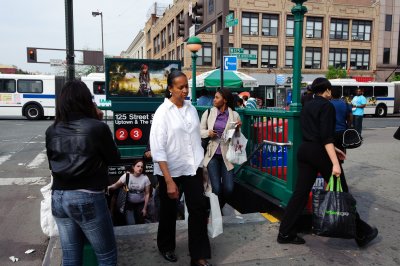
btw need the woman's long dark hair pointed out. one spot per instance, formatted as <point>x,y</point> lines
<point>228,96</point>
<point>74,98</point>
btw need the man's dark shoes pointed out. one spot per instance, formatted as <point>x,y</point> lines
<point>363,241</point>
<point>200,263</point>
<point>169,256</point>
<point>290,239</point>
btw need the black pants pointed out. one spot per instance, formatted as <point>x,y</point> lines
<point>196,202</point>
<point>312,159</point>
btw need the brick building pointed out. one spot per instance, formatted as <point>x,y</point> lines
<point>361,36</point>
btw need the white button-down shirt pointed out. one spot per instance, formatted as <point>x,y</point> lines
<point>175,139</point>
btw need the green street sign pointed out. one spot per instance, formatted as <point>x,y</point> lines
<point>246,56</point>
<point>231,23</point>
<point>229,17</point>
<point>234,50</point>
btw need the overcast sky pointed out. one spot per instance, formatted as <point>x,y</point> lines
<point>41,23</point>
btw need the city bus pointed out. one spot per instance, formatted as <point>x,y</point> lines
<point>32,96</point>
<point>380,95</point>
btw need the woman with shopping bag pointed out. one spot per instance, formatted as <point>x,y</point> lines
<point>317,154</point>
<point>216,124</point>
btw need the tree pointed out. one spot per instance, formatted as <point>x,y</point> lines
<point>395,78</point>
<point>335,73</point>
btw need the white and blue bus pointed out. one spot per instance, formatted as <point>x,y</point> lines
<point>380,95</point>
<point>32,96</point>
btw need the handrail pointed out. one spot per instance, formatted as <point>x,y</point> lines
<point>285,144</point>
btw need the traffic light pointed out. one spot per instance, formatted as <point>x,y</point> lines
<point>181,27</point>
<point>31,55</point>
<point>198,12</point>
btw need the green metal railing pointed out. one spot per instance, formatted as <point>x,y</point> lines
<point>273,136</point>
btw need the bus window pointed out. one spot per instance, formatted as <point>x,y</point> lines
<point>99,88</point>
<point>339,88</point>
<point>30,86</point>
<point>380,91</point>
<point>368,91</point>
<point>7,85</point>
<point>349,91</point>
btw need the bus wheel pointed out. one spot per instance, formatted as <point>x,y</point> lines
<point>381,111</point>
<point>33,112</point>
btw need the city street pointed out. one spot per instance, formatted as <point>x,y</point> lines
<point>372,173</point>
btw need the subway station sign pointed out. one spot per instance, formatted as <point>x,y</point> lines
<point>132,128</point>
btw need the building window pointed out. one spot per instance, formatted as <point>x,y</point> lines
<point>163,38</point>
<point>182,55</point>
<point>361,30</point>
<point>148,37</point>
<point>270,25</point>
<point>314,27</point>
<point>269,56</point>
<point>250,49</point>
<point>313,58</point>
<point>204,55</point>
<point>249,23</point>
<point>289,56</point>
<point>359,59</point>
<point>289,26</point>
<point>173,55</point>
<point>386,55</point>
<point>338,58</point>
<point>171,32</point>
<point>388,23</point>
<point>208,30</point>
<point>339,29</point>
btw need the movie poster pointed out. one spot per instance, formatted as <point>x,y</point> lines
<point>139,78</point>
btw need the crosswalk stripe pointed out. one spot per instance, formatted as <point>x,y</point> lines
<point>4,158</point>
<point>39,159</point>
<point>23,181</point>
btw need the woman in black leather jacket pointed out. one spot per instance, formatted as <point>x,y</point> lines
<point>79,149</point>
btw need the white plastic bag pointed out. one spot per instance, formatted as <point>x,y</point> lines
<point>237,150</point>
<point>47,222</point>
<point>214,226</point>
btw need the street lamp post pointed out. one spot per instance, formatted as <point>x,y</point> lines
<point>95,14</point>
<point>194,45</point>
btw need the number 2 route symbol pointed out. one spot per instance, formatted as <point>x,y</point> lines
<point>121,134</point>
<point>136,134</point>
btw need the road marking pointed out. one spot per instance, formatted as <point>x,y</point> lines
<point>4,158</point>
<point>269,217</point>
<point>39,159</point>
<point>24,181</point>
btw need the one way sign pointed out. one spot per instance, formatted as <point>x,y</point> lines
<point>230,63</point>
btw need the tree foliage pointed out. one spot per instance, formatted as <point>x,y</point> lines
<point>335,73</point>
<point>395,77</point>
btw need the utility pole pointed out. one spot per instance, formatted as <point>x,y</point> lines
<point>69,31</point>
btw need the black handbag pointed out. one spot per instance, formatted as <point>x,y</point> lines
<point>351,139</point>
<point>123,196</point>
<point>334,212</point>
<point>397,134</point>
<point>205,141</point>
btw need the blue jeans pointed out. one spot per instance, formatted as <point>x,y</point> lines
<point>81,214</point>
<point>221,179</point>
<point>357,123</point>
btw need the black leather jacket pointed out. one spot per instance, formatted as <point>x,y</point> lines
<point>79,153</point>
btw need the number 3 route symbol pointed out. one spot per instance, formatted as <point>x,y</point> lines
<point>121,134</point>
<point>136,133</point>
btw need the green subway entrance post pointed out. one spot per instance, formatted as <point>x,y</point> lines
<point>298,11</point>
<point>194,45</point>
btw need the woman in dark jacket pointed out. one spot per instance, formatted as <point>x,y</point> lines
<point>317,154</point>
<point>79,149</point>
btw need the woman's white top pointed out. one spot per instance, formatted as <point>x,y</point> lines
<point>175,138</point>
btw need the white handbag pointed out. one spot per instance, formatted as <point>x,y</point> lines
<point>236,153</point>
<point>47,222</point>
